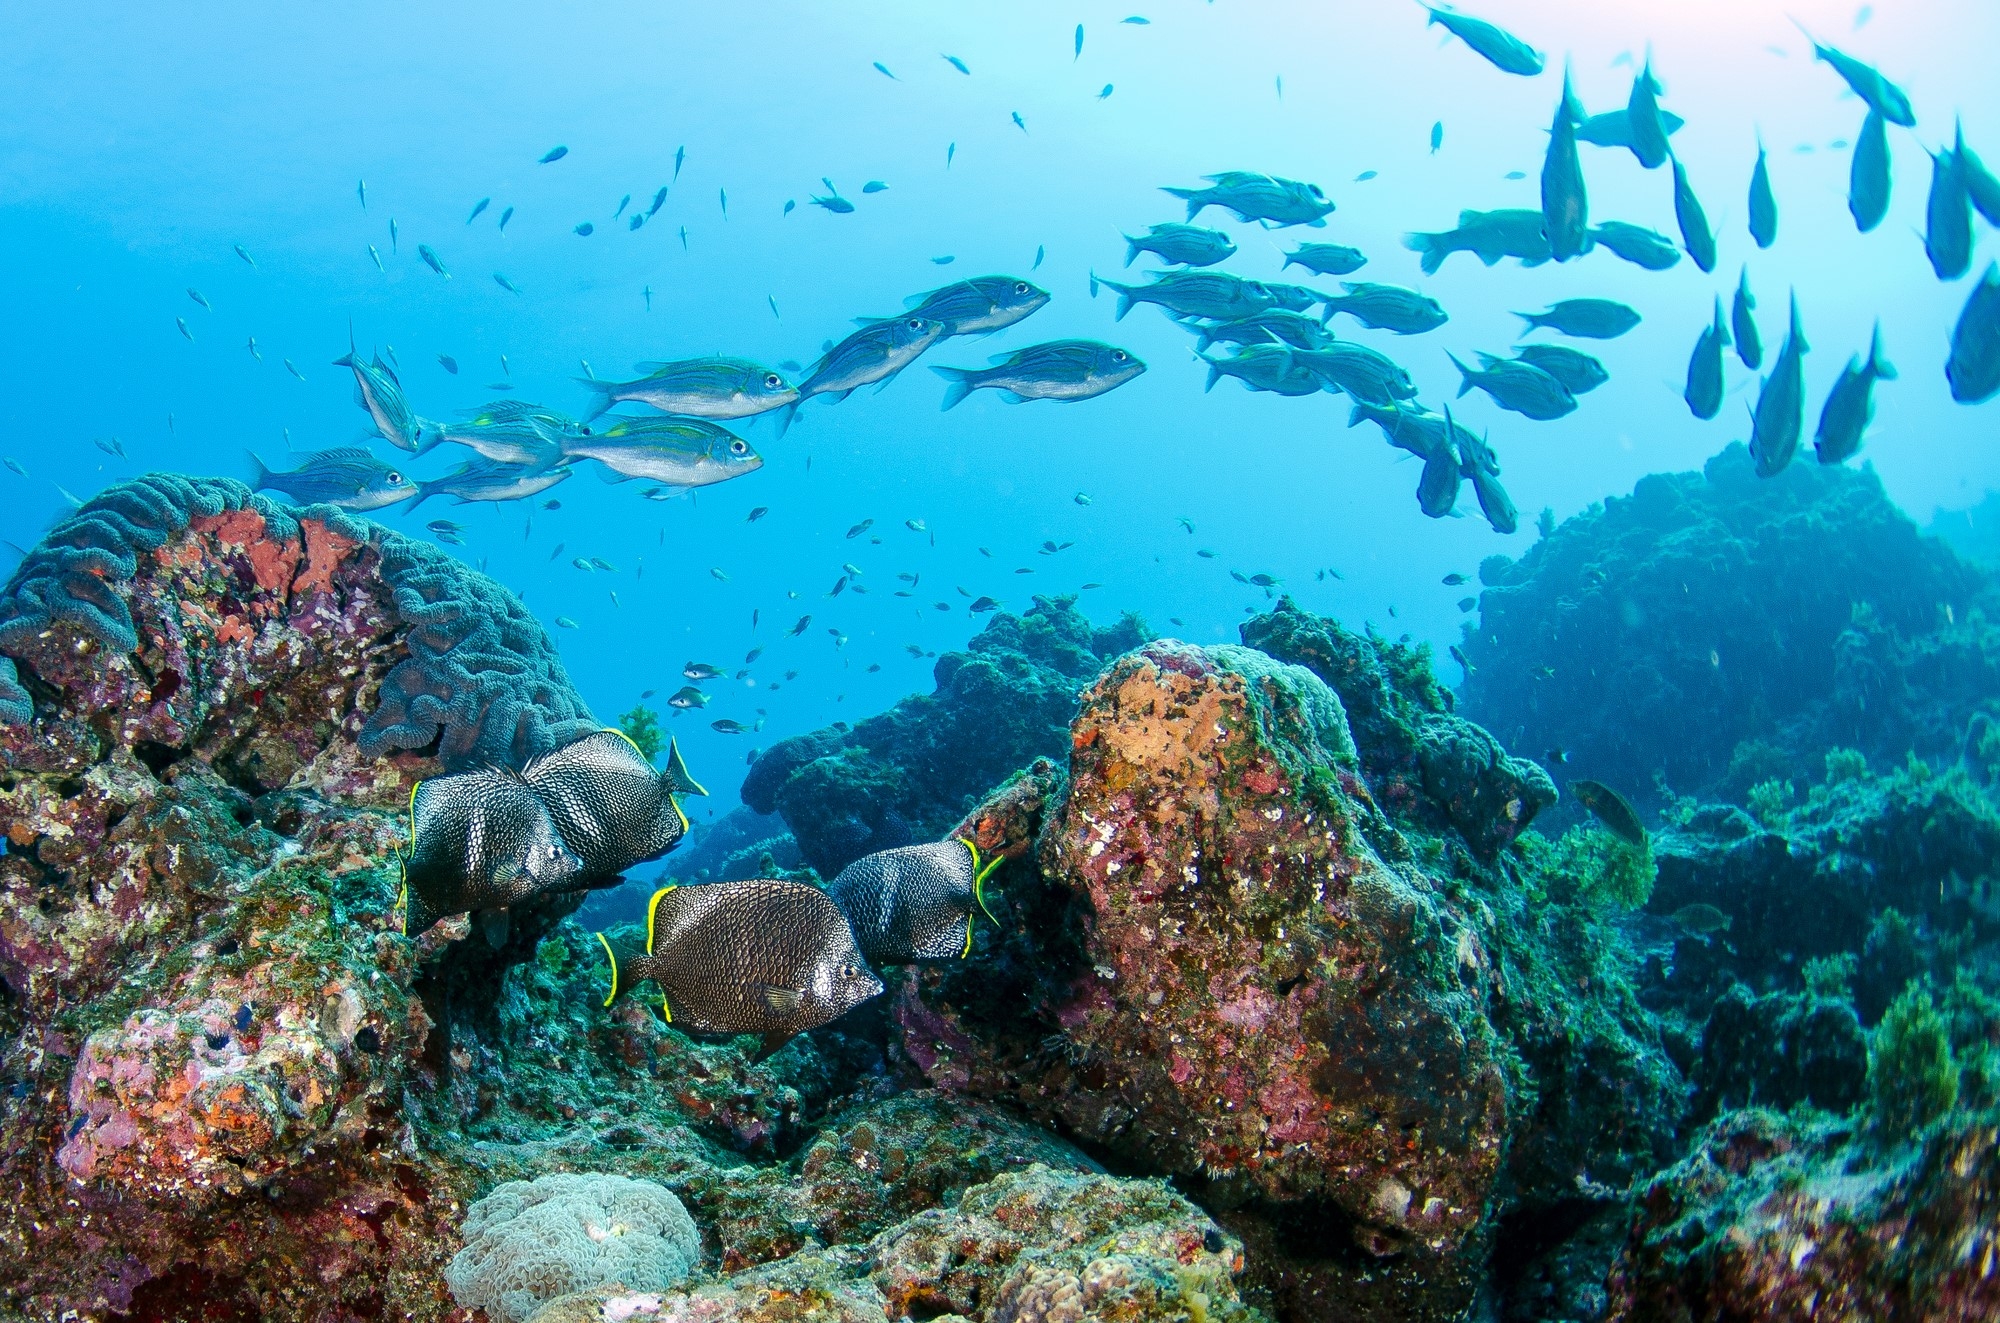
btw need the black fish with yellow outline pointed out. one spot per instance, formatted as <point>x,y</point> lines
<point>914,903</point>
<point>611,806</point>
<point>761,956</point>
<point>480,840</point>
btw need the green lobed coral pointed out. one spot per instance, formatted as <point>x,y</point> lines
<point>1912,1079</point>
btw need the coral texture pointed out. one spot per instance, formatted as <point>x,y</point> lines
<point>168,608</point>
<point>527,1242</point>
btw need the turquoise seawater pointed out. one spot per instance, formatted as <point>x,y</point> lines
<point>148,150</point>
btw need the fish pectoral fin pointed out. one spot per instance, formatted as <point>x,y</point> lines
<point>777,1000</point>
<point>772,1042</point>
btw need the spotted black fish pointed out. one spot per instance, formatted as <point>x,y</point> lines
<point>914,904</point>
<point>761,956</point>
<point>480,840</point>
<point>612,808</point>
<point>1610,808</point>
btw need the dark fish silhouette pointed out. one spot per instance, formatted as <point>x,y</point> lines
<point>761,956</point>
<point>612,808</point>
<point>1610,808</point>
<point>914,903</point>
<point>480,841</point>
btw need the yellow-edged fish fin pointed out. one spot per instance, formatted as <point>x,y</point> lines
<point>652,912</point>
<point>611,956</point>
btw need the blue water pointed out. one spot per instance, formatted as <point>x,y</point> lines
<point>143,144</point>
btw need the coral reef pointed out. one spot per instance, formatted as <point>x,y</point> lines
<point>1778,1218</point>
<point>1218,871</point>
<point>909,773</point>
<point>171,609</point>
<point>1744,625</point>
<point>527,1242</point>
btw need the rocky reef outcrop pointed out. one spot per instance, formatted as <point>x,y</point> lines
<point>1716,630</point>
<point>909,773</point>
<point>1299,1007</point>
<point>1226,958</point>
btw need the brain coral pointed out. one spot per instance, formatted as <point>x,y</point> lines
<point>530,1241</point>
<point>479,675</point>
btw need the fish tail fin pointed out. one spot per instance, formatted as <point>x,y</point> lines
<point>260,473</point>
<point>418,916</point>
<point>601,393</point>
<point>1431,248</point>
<point>1214,373</point>
<point>611,957</point>
<point>1131,249</point>
<point>1357,415</point>
<point>425,490</point>
<point>1464,373</point>
<point>677,776</point>
<point>1186,195</point>
<point>960,387</point>
<point>786,416</point>
<point>1883,367</point>
<point>1533,320</point>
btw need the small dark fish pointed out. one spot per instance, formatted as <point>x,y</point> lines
<point>432,260</point>
<point>1502,49</point>
<point>1459,657</point>
<point>1325,259</point>
<point>1749,346</point>
<point>612,808</point>
<point>1779,415</point>
<point>729,726</point>
<point>1610,808</point>
<point>1948,218</point>
<point>1851,404</point>
<point>981,605</point>
<point>1868,174</point>
<point>1701,918</point>
<point>860,528</point>
<point>505,216</point>
<point>1974,366</point>
<point>1980,183</point>
<point>1388,308</point>
<point>586,229</point>
<point>348,477</point>
<point>505,283</point>
<point>1590,319</point>
<point>914,904</point>
<point>477,208</point>
<point>1696,237</point>
<point>448,363</point>
<point>1187,245</point>
<point>699,671</point>
<point>1517,386</point>
<point>1565,203</point>
<point>480,840</point>
<point>1064,370</point>
<point>956,63</point>
<point>1572,367</point>
<point>760,956</point>
<point>1637,244</point>
<point>756,513</point>
<point>1763,203</point>
<point>1453,580</point>
<point>1704,375</point>
<point>799,628</point>
<point>1466,604</point>
<point>1437,137</point>
<point>1883,97</point>
<point>553,154</point>
<point>883,69</point>
<point>874,186</point>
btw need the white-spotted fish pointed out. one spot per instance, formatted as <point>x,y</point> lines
<point>480,840</point>
<point>915,903</point>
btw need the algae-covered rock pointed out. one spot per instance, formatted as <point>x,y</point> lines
<point>1774,1218</point>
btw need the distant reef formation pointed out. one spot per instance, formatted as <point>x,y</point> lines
<point>1309,999</point>
<point>1716,630</point>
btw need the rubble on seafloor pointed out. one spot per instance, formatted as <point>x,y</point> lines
<point>1303,1004</point>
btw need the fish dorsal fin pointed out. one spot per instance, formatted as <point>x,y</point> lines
<point>653,932</point>
<point>612,957</point>
<point>343,452</point>
<point>777,1000</point>
<point>677,774</point>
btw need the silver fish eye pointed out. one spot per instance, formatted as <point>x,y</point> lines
<point>916,323</point>
<point>773,381</point>
<point>1020,287</point>
<point>739,448</point>
<point>1118,355</point>
<point>395,478</point>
